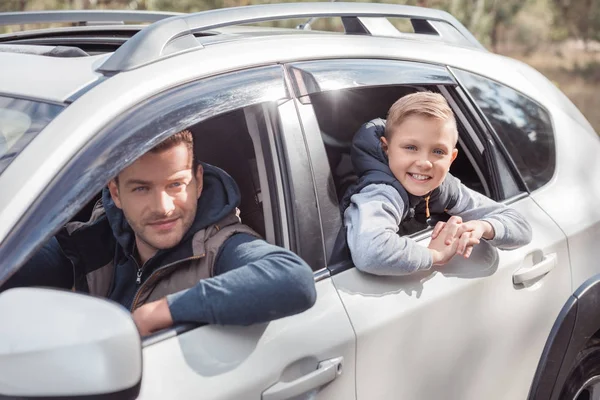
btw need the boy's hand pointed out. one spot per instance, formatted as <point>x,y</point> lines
<point>450,233</point>
<point>470,234</point>
<point>152,317</point>
<point>444,243</point>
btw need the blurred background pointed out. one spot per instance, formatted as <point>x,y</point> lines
<point>560,38</point>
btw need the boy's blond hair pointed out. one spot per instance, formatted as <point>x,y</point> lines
<point>426,104</point>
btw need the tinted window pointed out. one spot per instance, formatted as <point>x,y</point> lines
<point>521,124</point>
<point>20,121</point>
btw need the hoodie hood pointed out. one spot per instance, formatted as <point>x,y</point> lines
<point>367,153</point>
<point>370,163</point>
<point>220,197</point>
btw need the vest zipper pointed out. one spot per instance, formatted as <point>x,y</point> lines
<point>154,274</point>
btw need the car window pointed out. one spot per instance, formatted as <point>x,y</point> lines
<point>522,125</point>
<point>134,132</point>
<point>20,121</point>
<point>341,113</point>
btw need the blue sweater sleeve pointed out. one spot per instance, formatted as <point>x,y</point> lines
<point>254,282</point>
<point>47,267</point>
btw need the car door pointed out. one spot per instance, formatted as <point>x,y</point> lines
<point>309,355</point>
<point>473,329</point>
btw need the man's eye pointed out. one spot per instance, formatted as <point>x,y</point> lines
<point>140,189</point>
<point>176,184</point>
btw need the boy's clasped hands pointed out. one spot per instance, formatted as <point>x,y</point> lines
<point>457,237</point>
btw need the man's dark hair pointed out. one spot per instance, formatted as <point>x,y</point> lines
<point>185,137</point>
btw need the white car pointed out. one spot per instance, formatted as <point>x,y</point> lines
<point>277,108</point>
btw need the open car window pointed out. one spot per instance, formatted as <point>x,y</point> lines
<point>20,121</point>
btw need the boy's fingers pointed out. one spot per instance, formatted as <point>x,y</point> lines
<point>438,228</point>
<point>468,251</point>
<point>451,229</point>
<point>463,242</point>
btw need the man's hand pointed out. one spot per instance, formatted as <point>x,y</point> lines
<point>444,241</point>
<point>152,317</point>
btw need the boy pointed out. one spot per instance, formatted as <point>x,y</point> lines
<point>403,167</point>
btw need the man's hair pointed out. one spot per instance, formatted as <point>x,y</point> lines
<point>185,137</point>
<point>425,104</point>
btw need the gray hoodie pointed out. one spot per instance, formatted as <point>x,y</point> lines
<point>375,207</point>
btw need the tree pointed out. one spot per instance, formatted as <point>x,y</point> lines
<point>580,17</point>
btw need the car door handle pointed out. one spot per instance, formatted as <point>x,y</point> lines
<point>326,372</point>
<point>539,269</point>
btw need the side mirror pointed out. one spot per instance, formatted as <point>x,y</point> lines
<point>62,344</point>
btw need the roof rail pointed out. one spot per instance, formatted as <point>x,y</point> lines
<point>82,17</point>
<point>176,34</point>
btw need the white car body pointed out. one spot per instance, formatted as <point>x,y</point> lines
<point>463,331</point>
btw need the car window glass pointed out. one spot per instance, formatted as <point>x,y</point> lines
<point>20,121</point>
<point>522,126</point>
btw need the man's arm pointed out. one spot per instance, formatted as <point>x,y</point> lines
<point>371,223</point>
<point>48,267</point>
<point>255,282</point>
<point>510,229</point>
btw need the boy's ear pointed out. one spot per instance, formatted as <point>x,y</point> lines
<point>454,154</point>
<point>113,188</point>
<point>384,144</point>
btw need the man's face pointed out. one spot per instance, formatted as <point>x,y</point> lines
<point>158,194</point>
<point>420,152</point>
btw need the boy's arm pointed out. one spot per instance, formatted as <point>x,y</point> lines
<point>510,229</point>
<point>371,223</point>
<point>256,282</point>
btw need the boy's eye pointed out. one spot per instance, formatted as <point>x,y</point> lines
<point>439,152</point>
<point>410,147</point>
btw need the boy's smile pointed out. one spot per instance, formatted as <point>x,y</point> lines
<point>420,152</point>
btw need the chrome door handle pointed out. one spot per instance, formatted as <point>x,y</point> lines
<point>326,372</point>
<point>539,269</point>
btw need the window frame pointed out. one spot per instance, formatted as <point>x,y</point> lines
<point>126,138</point>
<point>322,173</point>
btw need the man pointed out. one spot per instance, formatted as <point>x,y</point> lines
<point>165,241</point>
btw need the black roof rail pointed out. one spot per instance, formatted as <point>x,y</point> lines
<point>82,17</point>
<point>176,34</point>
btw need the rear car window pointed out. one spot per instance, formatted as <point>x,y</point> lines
<point>523,126</point>
<point>20,121</point>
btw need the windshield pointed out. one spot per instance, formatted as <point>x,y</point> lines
<point>20,121</point>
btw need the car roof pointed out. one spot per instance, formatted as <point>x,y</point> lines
<point>50,79</point>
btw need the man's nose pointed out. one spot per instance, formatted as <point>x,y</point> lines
<point>164,203</point>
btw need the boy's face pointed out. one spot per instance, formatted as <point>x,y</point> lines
<point>158,194</point>
<point>420,152</point>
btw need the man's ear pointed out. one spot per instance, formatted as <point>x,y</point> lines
<point>384,144</point>
<point>199,180</point>
<point>454,154</point>
<point>113,188</point>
